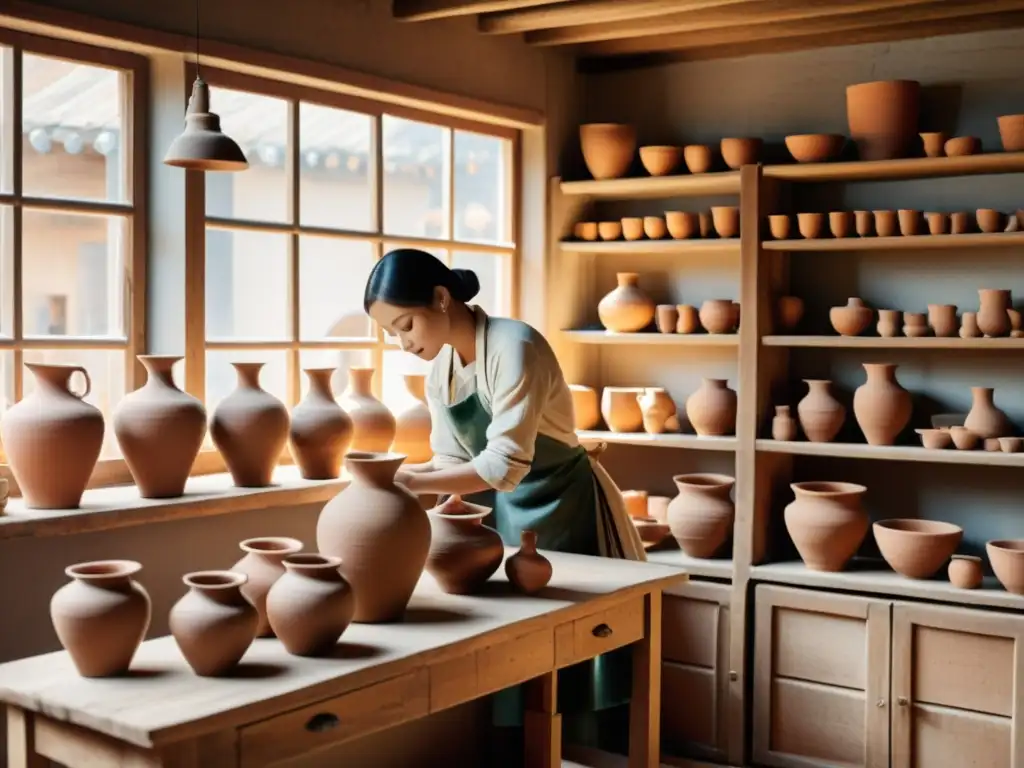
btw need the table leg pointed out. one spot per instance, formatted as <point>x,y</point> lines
<point>21,740</point>
<point>542,723</point>
<point>645,705</point>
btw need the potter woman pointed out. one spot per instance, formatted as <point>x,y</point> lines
<point>502,421</point>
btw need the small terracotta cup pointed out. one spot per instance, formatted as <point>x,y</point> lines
<point>698,157</point>
<point>963,438</point>
<point>654,227</point>
<point>991,445</point>
<point>1016,319</point>
<point>965,571</point>
<point>811,225</point>
<point>1011,444</point>
<point>841,223</point>
<point>938,223</point>
<point>990,220</point>
<point>889,323</point>
<point>609,230</point>
<point>942,319</point>
<point>969,326</point>
<point>934,143</point>
<point>910,222</point>
<point>778,225</point>
<point>682,225</point>
<point>935,439</point>
<point>666,316</point>
<point>886,223</point>
<point>633,228</point>
<point>865,223</point>
<point>688,319</point>
<point>961,146</point>
<point>959,223</point>
<point>585,230</point>
<point>915,325</point>
<point>726,219</point>
<point>740,152</point>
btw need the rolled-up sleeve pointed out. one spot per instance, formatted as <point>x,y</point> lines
<point>447,450</point>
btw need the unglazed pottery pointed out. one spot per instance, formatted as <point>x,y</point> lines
<point>890,321</point>
<point>312,604</point>
<point>1007,559</point>
<point>699,158</point>
<point>621,410</point>
<point>883,117</point>
<point>689,319</point>
<point>827,523</point>
<point>464,553</point>
<point>814,147</point>
<point>585,406</point>
<point>585,230</point>
<point>881,406</point>
<point>985,419</point>
<point>1011,132</point>
<point>682,225</point>
<point>783,424</point>
<point>864,221</point>
<point>609,230</point>
<point>666,317</point>
<point>412,422</point>
<point>779,225</point>
<point>657,507</point>
<point>840,223</point>
<point>811,225</point>
<point>1011,444</point>
<point>711,410</point>
<point>656,407</point>
<point>654,227</point>
<point>790,311</point>
<point>320,431</point>
<point>959,223</point>
<point>935,439</point>
<point>965,571</point>
<point>263,564</point>
<point>726,219</point>
<point>933,143</point>
<point>938,223</point>
<point>942,319</point>
<point>527,570</point>
<point>969,326</point>
<point>989,220</point>
<point>961,146</point>
<point>160,430</point>
<point>626,309</point>
<point>886,223</point>
<point>740,152</point>
<point>719,315</point>
<point>607,148</point>
<point>821,415</point>
<point>213,623</point>
<point>964,439</point>
<point>633,228</point>
<point>52,438</point>
<point>250,429</point>
<point>660,160</point>
<point>915,548</point>
<point>635,502</point>
<point>915,325</point>
<point>851,320</point>
<point>380,532</point>
<point>701,516</point>
<point>651,531</point>
<point>992,316</point>
<point>374,425</point>
<point>101,616</point>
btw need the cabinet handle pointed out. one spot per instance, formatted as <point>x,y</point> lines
<point>880,703</point>
<point>734,675</point>
<point>903,701</point>
<point>322,722</point>
<point>601,630</point>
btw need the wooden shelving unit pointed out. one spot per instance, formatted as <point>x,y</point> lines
<point>976,458</point>
<point>897,342</point>
<point>656,339</point>
<point>901,243</point>
<point>730,246</point>
<point>669,440</point>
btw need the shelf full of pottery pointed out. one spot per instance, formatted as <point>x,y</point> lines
<point>160,430</point>
<point>374,541</point>
<point>721,221</point>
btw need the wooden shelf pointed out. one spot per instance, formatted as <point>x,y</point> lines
<point>648,187</point>
<point>896,170</point>
<point>666,440</point>
<point>902,243</point>
<point>898,342</point>
<point>654,338</point>
<point>697,245</point>
<point>874,577</point>
<point>711,568</point>
<point>892,453</point>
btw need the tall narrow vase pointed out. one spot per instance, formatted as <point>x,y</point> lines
<point>881,406</point>
<point>320,430</point>
<point>412,422</point>
<point>374,424</point>
<point>821,415</point>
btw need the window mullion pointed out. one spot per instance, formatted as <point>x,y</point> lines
<point>293,171</point>
<point>17,330</point>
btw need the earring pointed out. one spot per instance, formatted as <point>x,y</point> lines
<point>444,307</point>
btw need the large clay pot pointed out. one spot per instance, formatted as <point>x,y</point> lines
<point>883,117</point>
<point>412,422</point>
<point>658,410</point>
<point>881,406</point>
<point>607,148</point>
<point>213,624</point>
<point>311,605</point>
<point>712,408</point>
<point>527,570</point>
<point>263,564</point>
<point>826,523</point>
<point>380,532</point>
<point>993,318</point>
<point>585,406</point>
<point>621,410</point>
<point>250,429</point>
<point>916,548</point>
<point>821,415</point>
<point>52,439</point>
<point>160,430</point>
<point>374,424</point>
<point>701,516</point>
<point>464,553</point>
<point>626,309</point>
<point>1007,559</point>
<point>320,430</point>
<point>101,616</point>
<point>985,419</point>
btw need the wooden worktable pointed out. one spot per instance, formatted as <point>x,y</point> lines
<point>449,650</point>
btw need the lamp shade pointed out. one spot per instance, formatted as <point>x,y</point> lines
<point>202,146</point>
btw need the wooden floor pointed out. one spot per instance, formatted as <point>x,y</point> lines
<point>581,757</point>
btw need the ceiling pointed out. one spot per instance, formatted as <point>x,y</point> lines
<point>611,34</point>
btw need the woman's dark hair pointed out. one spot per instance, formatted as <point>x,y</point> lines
<point>407,277</point>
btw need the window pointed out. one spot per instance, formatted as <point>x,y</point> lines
<point>334,183</point>
<point>72,237</point>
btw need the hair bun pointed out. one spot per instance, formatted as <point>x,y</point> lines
<point>467,284</point>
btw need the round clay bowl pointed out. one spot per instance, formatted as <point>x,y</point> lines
<point>962,146</point>
<point>718,315</point>
<point>910,222</point>
<point>632,228</point>
<point>852,319</point>
<point>841,223</point>
<point>609,230</point>
<point>964,439</point>
<point>682,225</point>
<point>654,227</point>
<point>778,225</point>
<point>740,152</point>
<point>814,147</point>
<point>1011,132</point>
<point>1007,558</point>
<point>811,225</point>
<point>652,532</point>
<point>989,220</point>
<point>938,223</point>
<point>934,143</point>
<point>726,219</point>
<point>886,223</point>
<point>935,439</point>
<point>607,149</point>
<point>1011,444</point>
<point>914,548</point>
<point>586,230</point>
<point>661,161</point>
<point>698,158</point>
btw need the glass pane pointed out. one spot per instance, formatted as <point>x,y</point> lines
<point>6,389</point>
<point>332,278</point>
<point>342,359</point>
<point>260,126</point>
<point>72,126</point>
<point>335,170</point>
<point>7,132</point>
<point>6,271</point>
<point>221,377</point>
<point>494,273</point>
<point>396,365</point>
<point>73,274</point>
<point>107,374</point>
<point>483,189</point>
<point>247,285</point>
<point>416,178</point>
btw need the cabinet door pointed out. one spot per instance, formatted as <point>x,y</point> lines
<point>957,684</point>
<point>821,679</point>
<point>694,670</point>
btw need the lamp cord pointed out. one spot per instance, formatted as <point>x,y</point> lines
<point>197,39</point>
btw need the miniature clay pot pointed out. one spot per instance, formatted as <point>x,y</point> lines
<point>263,564</point>
<point>985,419</point>
<point>827,523</point>
<point>938,223</point>
<point>660,160</point>
<point>213,623</point>
<point>821,415</point>
<point>840,223</point>
<point>1011,444</point>
<point>654,227</point>
<point>633,228</point>
<point>886,223</point>
<point>881,406</point>
<point>851,320</point>
<point>959,223</point>
<point>699,158</point>
<point>374,425</point>
<point>1007,559</point>
<point>101,616</point>
<point>585,230</point>
<point>712,408</point>
<point>626,309</point>
<point>992,316</point>
<point>991,444</point>
<point>910,222</point>
<point>657,407</point>
<point>527,570</point>
<point>464,553</point>
<point>965,571</point>
<point>811,225</point>
<point>783,424</point>
<point>666,317</point>
<point>883,117</point>
<point>701,516</point>
<point>935,439</point>
<point>1016,319</point>
<point>607,149</point>
<point>969,326</point>
<point>621,410</point>
<point>778,225</point>
<point>585,406</point>
<point>864,222</point>
<point>312,604</point>
<point>889,322</point>
<point>933,143</point>
<point>726,219</point>
<point>942,319</point>
<point>790,312</point>
<point>740,152</point>
<point>635,502</point>
<point>1011,132</point>
<point>915,548</point>
<point>990,220</point>
<point>719,315</point>
<point>814,147</point>
<point>682,225</point>
<point>964,439</point>
<point>961,146</point>
<point>609,230</point>
<point>320,431</point>
<point>689,319</point>
<point>412,422</point>
<point>915,325</point>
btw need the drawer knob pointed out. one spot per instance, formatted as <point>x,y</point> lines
<point>602,630</point>
<point>880,703</point>
<point>903,701</point>
<point>322,722</point>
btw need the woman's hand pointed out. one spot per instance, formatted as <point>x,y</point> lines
<point>462,479</point>
<point>406,477</point>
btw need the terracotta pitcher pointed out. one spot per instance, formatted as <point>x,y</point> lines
<point>821,415</point>
<point>320,431</point>
<point>528,571</point>
<point>627,308</point>
<point>213,623</point>
<point>881,406</point>
<point>53,438</point>
<point>826,523</point>
<point>701,516</point>
<point>993,318</point>
<point>464,553</point>
<point>374,424</point>
<point>412,432</point>
<point>985,419</point>
<point>311,605</point>
<point>712,408</point>
<point>263,564</point>
<point>585,406</point>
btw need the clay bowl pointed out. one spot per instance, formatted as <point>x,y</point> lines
<point>682,224</point>
<point>814,147</point>
<point>989,220</point>
<point>1007,558</point>
<point>934,143</point>
<point>585,230</point>
<point>964,439</point>
<point>607,148</point>
<point>1011,444</point>
<point>661,160</point>
<point>961,146</point>
<point>654,227</point>
<point>632,227</point>
<point>698,157</point>
<point>915,548</point>
<point>609,230</point>
<point>910,222</point>
<point>852,319</point>
<point>652,532</point>
<point>935,439</point>
<point>740,152</point>
<point>1011,132</point>
<point>778,225</point>
<point>811,225</point>
<point>726,219</point>
<point>886,223</point>
<point>938,223</point>
<point>718,315</point>
<point>840,223</point>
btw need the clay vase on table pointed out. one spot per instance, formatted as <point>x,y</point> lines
<point>320,431</point>
<point>52,438</point>
<point>380,532</point>
<point>701,516</point>
<point>527,570</point>
<point>101,616</point>
<point>657,408</point>
<point>985,419</point>
<point>213,624</point>
<point>412,422</point>
<point>827,523</point>
<point>626,309</point>
<point>464,553</point>
<point>263,564</point>
<point>160,430</point>
<point>621,409</point>
<point>712,408</point>
<point>374,424</point>
<point>250,429</point>
<point>993,318</point>
<point>586,406</point>
<point>783,424</point>
<point>881,406</point>
<point>821,415</point>
<point>883,117</point>
<point>311,605</point>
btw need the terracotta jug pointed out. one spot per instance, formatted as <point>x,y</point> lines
<point>985,419</point>
<point>311,605</point>
<point>213,624</point>
<point>263,564</point>
<point>701,516</point>
<point>250,429</point>
<point>380,532</point>
<point>160,430</point>
<point>585,406</point>
<point>464,553</point>
<point>883,117</point>
<point>412,422</point>
<point>992,317</point>
<point>374,424</point>
<point>621,409</point>
<point>826,523</point>
<point>320,431</point>
<point>101,616</point>
<point>712,408</point>
<point>881,406</point>
<point>821,415</point>
<point>783,425</point>
<point>657,409</point>
<point>527,570</point>
<point>627,308</point>
<point>52,429</point>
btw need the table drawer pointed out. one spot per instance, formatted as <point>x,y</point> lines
<point>600,632</point>
<point>336,720</point>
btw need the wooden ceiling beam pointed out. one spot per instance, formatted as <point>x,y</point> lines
<point>428,10</point>
<point>589,12</point>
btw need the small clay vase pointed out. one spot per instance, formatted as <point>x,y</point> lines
<point>827,523</point>
<point>263,564</point>
<point>969,326</point>
<point>889,322</point>
<point>633,228</point>
<point>101,616</point>
<point>213,623</point>
<point>412,422</point>
<point>965,571</point>
<point>320,431</point>
<point>851,320</point>
<point>689,319</point>
<point>942,319</point>
<point>621,410</point>
<point>910,222</point>
<point>985,419</point>
<point>464,553</point>
<point>783,425</point>
<point>657,407</point>
<point>881,406</point>
<point>915,325</point>
<point>719,315</point>
<point>993,319</point>
<point>626,309</point>
<point>864,222</point>
<point>701,516</point>
<point>374,425</point>
<point>821,415</point>
<point>712,408</point>
<point>666,318</point>
<point>527,570</point>
<point>585,406</point>
<point>311,605</point>
<point>790,312</point>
